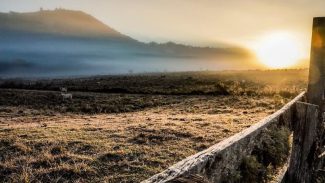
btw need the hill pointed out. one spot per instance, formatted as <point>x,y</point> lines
<point>57,22</point>
<point>65,42</point>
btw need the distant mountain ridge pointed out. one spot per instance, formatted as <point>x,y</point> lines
<point>59,22</point>
<point>62,22</point>
<point>66,40</point>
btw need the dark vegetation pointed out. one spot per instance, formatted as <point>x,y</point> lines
<point>82,102</point>
<point>284,82</point>
<point>126,93</point>
<point>260,166</point>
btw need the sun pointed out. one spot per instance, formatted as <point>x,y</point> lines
<point>278,50</point>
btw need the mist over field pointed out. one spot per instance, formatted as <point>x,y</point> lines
<point>72,43</point>
<point>49,57</point>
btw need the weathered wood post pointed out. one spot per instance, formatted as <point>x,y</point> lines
<point>307,162</point>
<point>315,95</point>
<point>303,143</point>
<point>315,92</point>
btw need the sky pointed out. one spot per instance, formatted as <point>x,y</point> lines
<point>193,22</point>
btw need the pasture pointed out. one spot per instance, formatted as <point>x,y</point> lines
<point>127,128</point>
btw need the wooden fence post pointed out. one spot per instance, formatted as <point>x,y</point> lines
<point>307,162</point>
<point>305,132</point>
<point>315,95</point>
<point>315,92</point>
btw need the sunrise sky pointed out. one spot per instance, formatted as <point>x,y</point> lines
<point>206,23</point>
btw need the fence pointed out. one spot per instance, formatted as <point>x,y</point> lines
<point>303,116</point>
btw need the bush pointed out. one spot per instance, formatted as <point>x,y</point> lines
<point>252,170</point>
<point>275,147</point>
<point>272,153</point>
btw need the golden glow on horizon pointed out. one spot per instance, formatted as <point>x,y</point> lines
<point>278,50</point>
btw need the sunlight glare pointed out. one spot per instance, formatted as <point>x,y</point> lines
<point>278,50</point>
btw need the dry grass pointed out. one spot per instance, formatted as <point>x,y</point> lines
<point>124,147</point>
<point>128,138</point>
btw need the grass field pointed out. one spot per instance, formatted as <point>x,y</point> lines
<point>127,128</point>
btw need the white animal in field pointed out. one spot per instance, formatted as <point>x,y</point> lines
<point>62,89</point>
<point>66,96</point>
